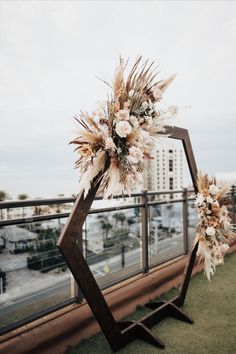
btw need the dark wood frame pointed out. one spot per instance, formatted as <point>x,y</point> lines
<point>120,333</point>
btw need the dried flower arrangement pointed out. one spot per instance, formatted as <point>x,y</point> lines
<point>124,130</point>
<point>214,229</point>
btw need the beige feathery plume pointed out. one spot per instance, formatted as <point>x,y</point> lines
<point>87,137</point>
<point>91,172</point>
<point>111,182</point>
<point>166,83</point>
<point>201,181</point>
<point>118,85</point>
<point>222,193</point>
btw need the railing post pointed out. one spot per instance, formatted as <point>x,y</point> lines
<point>233,205</point>
<point>185,220</point>
<point>144,222</point>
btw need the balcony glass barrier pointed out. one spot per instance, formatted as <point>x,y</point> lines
<point>112,244</point>
<point>193,221</point>
<point>120,238</point>
<point>165,232</point>
<point>34,274</point>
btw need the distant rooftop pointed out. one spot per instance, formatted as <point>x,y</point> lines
<point>16,234</point>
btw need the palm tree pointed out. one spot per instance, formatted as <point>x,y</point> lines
<point>4,196</point>
<point>23,196</point>
<point>121,217</point>
<point>106,226</point>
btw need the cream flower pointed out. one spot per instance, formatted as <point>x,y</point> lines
<point>209,199</point>
<point>210,231</point>
<point>226,224</point>
<point>109,144</point>
<point>123,114</point>
<point>123,128</point>
<point>148,120</point>
<point>135,155</point>
<point>98,115</point>
<point>213,189</point>
<point>145,105</point>
<point>144,136</point>
<point>200,199</point>
<point>127,104</point>
<point>173,110</point>
<point>157,93</point>
<point>134,121</point>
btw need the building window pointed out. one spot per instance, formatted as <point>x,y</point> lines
<point>171,183</point>
<point>171,165</point>
<point>170,151</point>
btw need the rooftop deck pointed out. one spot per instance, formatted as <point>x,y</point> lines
<point>211,305</point>
<point>42,308</point>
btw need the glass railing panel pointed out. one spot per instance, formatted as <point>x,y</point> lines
<point>112,244</point>
<point>34,210</point>
<point>165,232</point>
<point>33,272</point>
<point>193,221</point>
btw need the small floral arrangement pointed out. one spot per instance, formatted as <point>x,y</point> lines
<point>214,229</point>
<point>123,130</point>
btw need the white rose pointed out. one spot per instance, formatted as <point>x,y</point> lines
<point>123,114</point>
<point>209,199</point>
<point>157,93</point>
<point>210,231</point>
<point>135,155</point>
<point>213,189</point>
<point>200,199</point>
<point>226,224</point>
<point>134,121</point>
<point>144,136</point>
<point>151,105</point>
<point>109,144</point>
<point>98,115</point>
<point>123,128</point>
<point>145,105</point>
<point>127,105</point>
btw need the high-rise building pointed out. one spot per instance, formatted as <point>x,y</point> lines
<point>165,170</point>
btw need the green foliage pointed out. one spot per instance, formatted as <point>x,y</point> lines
<point>4,196</point>
<point>23,196</point>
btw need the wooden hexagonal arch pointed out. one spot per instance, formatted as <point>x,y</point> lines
<point>119,333</point>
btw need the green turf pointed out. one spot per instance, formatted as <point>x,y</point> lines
<point>211,305</point>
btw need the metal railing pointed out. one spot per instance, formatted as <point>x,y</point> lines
<point>144,203</point>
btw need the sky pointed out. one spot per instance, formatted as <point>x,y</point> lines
<point>51,51</point>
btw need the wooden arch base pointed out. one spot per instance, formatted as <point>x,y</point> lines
<point>120,333</point>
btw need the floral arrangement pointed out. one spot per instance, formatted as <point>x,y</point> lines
<point>123,130</point>
<point>214,229</point>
